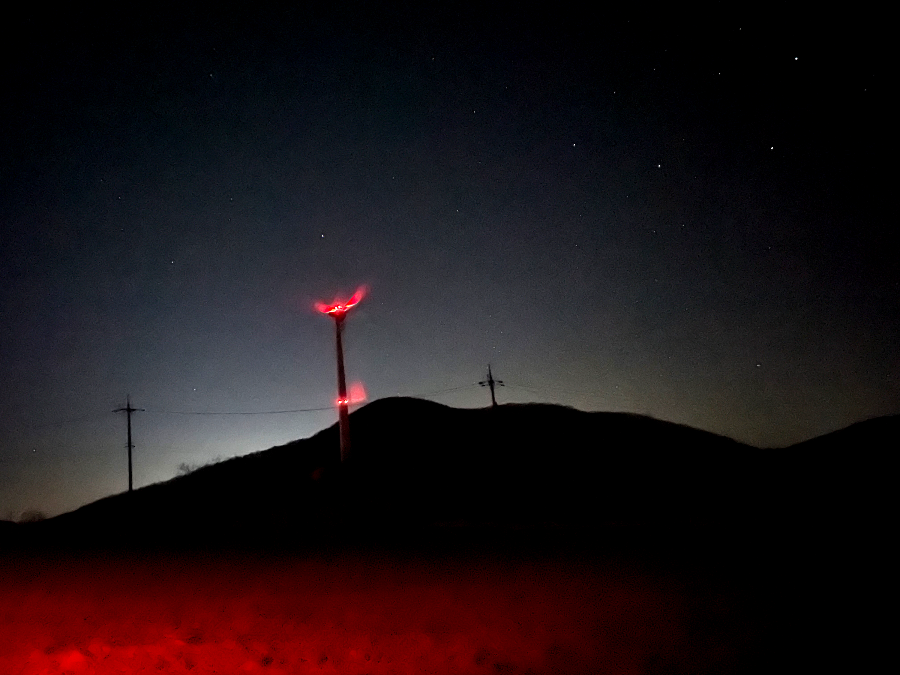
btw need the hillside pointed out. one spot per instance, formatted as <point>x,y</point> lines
<point>844,478</point>
<point>417,463</point>
<point>521,539</point>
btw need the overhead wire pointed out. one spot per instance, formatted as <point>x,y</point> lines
<point>237,412</point>
<point>63,423</point>
<point>95,415</point>
<point>297,410</point>
<point>444,391</point>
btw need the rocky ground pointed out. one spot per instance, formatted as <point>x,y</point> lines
<point>459,606</point>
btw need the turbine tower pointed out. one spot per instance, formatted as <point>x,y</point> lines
<point>338,311</point>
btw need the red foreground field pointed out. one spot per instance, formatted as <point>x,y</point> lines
<point>351,614</point>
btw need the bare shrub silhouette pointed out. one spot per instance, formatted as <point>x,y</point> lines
<point>185,468</point>
<point>32,516</point>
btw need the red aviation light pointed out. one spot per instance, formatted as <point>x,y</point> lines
<point>357,395</point>
<point>340,307</point>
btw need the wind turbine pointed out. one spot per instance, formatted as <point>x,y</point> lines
<point>338,311</point>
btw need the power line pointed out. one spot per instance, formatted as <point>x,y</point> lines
<point>443,391</point>
<point>152,411</point>
<point>238,412</point>
<point>533,390</point>
<point>62,423</point>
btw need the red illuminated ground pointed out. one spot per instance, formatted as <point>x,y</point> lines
<point>359,613</point>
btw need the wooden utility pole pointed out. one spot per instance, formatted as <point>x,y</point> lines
<point>491,382</point>
<point>128,410</point>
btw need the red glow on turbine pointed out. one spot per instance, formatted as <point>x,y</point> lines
<point>338,311</point>
<point>357,395</point>
<point>340,307</point>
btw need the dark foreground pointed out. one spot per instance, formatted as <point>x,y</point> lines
<point>310,565</point>
<point>454,601</point>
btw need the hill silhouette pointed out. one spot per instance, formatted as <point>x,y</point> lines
<point>417,463</point>
<point>843,479</point>
<point>875,435</point>
<point>749,551</point>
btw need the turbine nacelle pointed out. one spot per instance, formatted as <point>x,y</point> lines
<point>339,308</point>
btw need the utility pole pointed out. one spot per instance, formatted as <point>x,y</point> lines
<point>128,410</point>
<point>490,382</point>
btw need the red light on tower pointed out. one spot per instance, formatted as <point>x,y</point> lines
<point>338,311</point>
<point>357,395</point>
<point>339,308</point>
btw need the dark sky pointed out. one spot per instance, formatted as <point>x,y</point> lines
<point>687,217</point>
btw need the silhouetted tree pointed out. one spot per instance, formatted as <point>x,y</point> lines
<point>32,516</point>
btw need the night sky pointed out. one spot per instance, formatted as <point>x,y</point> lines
<point>687,217</point>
